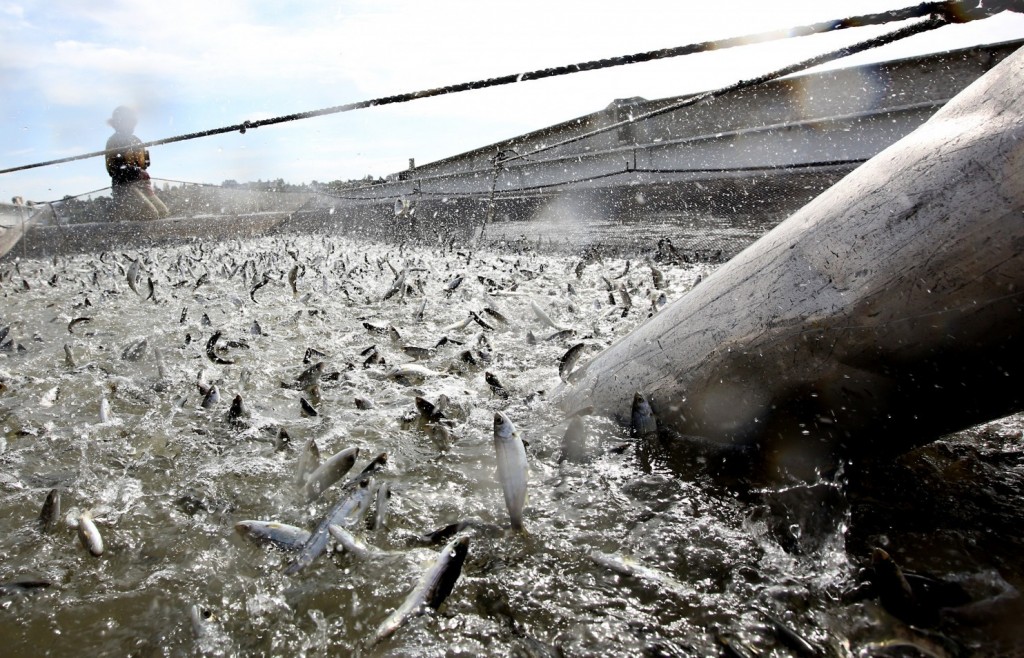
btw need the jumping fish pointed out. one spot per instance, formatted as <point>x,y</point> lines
<point>211,398</point>
<point>238,412</point>
<point>642,420</point>
<point>105,414</point>
<point>134,275</point>
<point>329,472</point>
<point>306,409</point>
<point>211,350</point>
<point>346,513</point>
<point>309,461</point>
<point>283,536</point>
<point>544,317</point>
<point>89,534</point>
<point>50,514</point>
<point>433,588</point>
<point>351,543</point>
<point>136,350</point>
<point>568,360</point>
<point>574,442</point>
<point>380,513</point>
<point>496,386</point>
<point>77,321</point>
<point>511,454</point>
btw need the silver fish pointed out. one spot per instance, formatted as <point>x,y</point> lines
<point>105,414</point>
<point>309,461</point>
<point>89,534</point>
<point>50,514</point>
<point>574,442</point>
<point>329,472</point>
<point>211,398</point>
<point>569,359</point>
<point>544,317</point>
<point>351,543</point>
<point>283,536</point>
<point>346,512</point>
<point>135,275</point>
<point>643,422</point>
<point>433,588</point>
<point>380,513</point>
<point>511,454</point>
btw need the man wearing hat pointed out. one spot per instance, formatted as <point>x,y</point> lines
<point>127,160</point>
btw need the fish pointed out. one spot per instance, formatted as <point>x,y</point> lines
<point>134,275</point>
<point>447,532</point>
<point>496,386</point>
<point>480,321</point>
<point>642,420</point>
<point>411,374</point>
<point>105,414</point>
<point>89,534</point>
<point>306,409</point>
<point>264,281</point>
<point>308,377</point>
<point>511,455</point>
<point>330,471</point>
<point>77,321</point>
<point>568,360</point>
<point>69,357</point>
<point>238,411</point>
<point>627,566</point>
<point>544,317</point>
<point>363,403</point>
<point>798,643</point>
<point>419,353</point>
<point>346,513</point>
<point>211,350</point>
<point>627,301</point>
<point>293,278</point>
<point>17,587</point>
<point>136,350</point>
<point>351,543</point>
<point>309,461</point>
<point>49,516</point>
<point>380,513</point>
<point>658,278</point>
<point>211,398</point>
<point>427,410</point>
<point>281,535</point>
<point>432,589</point>
<point>496,314</point>
<point>453,284</point>
<point>574,442</point>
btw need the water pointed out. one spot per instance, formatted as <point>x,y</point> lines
<point>683,562</point>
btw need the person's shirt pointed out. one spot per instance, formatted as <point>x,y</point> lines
<point>129,162</point>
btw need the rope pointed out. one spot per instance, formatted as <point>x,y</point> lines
<point>950,10</point>
<point>931,23</point>
<point>510,155</point>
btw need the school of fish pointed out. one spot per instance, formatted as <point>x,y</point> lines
<point>292,444</point>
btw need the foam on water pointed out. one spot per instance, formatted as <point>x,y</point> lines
<point>167,480</point>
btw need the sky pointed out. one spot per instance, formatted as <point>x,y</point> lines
<point>193,65</point>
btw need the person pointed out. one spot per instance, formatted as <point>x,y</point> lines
<point>127,161</point>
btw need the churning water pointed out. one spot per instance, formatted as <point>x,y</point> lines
<point>625,552</point>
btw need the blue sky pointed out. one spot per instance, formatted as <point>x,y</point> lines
<point>189,66</point>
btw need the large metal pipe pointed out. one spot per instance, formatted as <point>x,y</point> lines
<point>888,310</point>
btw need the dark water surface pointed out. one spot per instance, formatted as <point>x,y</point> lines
<point>626,553</point>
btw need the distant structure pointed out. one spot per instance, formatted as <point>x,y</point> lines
<point>762,151</point>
